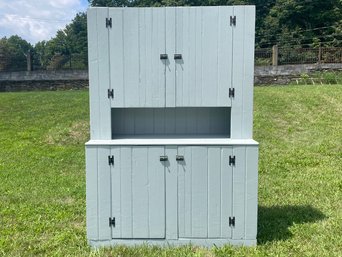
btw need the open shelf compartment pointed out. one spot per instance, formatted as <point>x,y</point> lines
<point>182,122</point>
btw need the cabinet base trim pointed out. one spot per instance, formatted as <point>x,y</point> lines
<point>182,241</point>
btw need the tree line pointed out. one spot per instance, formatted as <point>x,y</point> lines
<point>287,23</point>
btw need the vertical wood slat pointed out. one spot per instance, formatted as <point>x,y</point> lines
<point>182,205</point>
<point>170,94</point>
<point>251,196</point>
<point>225,55</point>
<point>156,192</point>
<point>180,13</point>
<point>238,73</point>
<point>199,191</point>
<point>116,191</point>
<point>144,32</point>
<point>198,57</point>
<point>209,56</point>
<point>117,55</point>
<point>104,120</point>
<point>104,193</point>
<point>126,192</point>
<point>214,192</point>
<point>131,56</point>
<point>156,92</point>
<point>239,173</point>
<point>140,211</point>
<point>91,193</point>
<point>93,74</point>
<point>248,77</point>
<point>226,192</point>
<point>171,173</point>
<point>185,192</point>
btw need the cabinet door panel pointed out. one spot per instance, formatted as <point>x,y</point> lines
<point>204,192</point>
<point>137,38</point>
<point>204,73</point>
<point>138,192</point>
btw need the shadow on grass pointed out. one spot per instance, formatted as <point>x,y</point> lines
<point>274,221</point>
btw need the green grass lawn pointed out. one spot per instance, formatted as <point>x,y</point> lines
<point>42,175</point>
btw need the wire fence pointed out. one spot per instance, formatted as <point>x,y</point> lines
<point>284,56</point>
<point>263,57</point>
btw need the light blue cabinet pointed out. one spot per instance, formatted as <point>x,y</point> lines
<point>171,158</point>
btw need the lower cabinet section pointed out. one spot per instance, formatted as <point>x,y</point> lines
<point>172,194</point>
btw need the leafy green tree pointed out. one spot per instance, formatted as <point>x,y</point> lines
<point>68,49</point>
<point>13,53</point>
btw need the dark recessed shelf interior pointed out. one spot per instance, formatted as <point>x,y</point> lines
<point>179,122</point>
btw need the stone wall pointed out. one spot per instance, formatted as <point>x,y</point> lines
<point>77,79</point>
<point>285,74</point>
<point>43,80</point>
<point>32,85</point>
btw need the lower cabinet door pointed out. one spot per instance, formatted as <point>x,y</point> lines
<point>138,192</point>
<point>204,191</point>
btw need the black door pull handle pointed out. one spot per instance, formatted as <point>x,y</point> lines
<point>163,57</point>
<point>177,57</point>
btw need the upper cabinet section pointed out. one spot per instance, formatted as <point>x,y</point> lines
<point>136,48</point>
<point>200,44</point>
<point>169,56</point>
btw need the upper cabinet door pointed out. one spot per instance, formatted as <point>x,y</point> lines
<point>137,71</point>
<point>202,55</point>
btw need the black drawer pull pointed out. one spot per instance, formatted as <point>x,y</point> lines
<point>163,57</point>
<point>178,57</point>
<point>179,158</point>
<point>163,158</point>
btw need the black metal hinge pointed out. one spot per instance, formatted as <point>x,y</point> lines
<point>111,160</point>
<point>232,20</point>
<point>231,92</point>
<point>110,93</point>
<point>231,221</point>
<point>112,222</point>
<point>108,22</point>
<point>232,160</point>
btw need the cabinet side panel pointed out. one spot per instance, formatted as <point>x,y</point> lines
<point>199,191</point>
<point>171,193</point>
<point>93,73</point>
<point>248,46</point>
<point>226,192</point>
<point>116,191</point>
<point>214,192</point>
<point>251,192</point>
<point>239,173</point>
<point>170,94</point>
<point>92,193</point>
<point>126,193</point>
<point>104,193</point>
<point>156,193</point>
<point>104,75</point>
<point>238,73</point>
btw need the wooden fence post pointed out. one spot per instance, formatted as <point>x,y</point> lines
<point>29,60</point>
<point>320,54</point>
<point>275,55</point>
